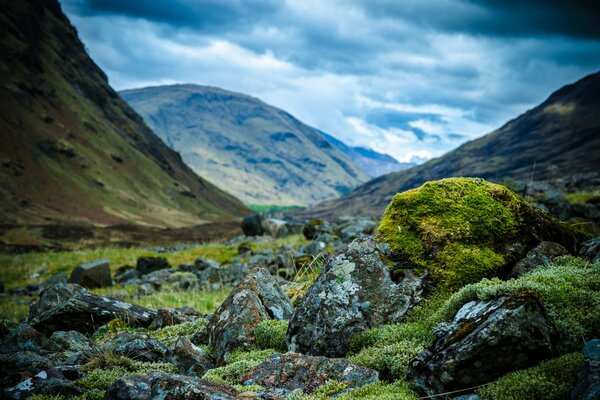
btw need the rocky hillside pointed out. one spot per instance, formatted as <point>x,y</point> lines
<point>466,291</point>
<point>258,153</point>
<point>72,150</point>
<point>373,163</point>
<point>559,138</point>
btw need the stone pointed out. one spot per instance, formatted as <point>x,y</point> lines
<point>252,225</point>
<point>485,340</point>
<point>314,228</point>
<point>23,363</point>
<point>145,289</point>
<point>23,338</point>
<point>68,341</point>
<point>278,228</point>
<point>146,265</point>
<point>57,381</point>
<point>140,347</point>
<point>174,316</point>
<point>161,385</point>
<point>189,359</point>
<point>258,297</point>
<point>297,371</point>
<point>71,307</point>
<point>94,274</point>
<point>224,276</point>
<point>542,254</point>
<point>37,290</point>
<point>357,229</point>
<point>588,381</point>
<point>353,293</point>
<point>590,250</point>
<point>202,263</point>
<point>126,273</point>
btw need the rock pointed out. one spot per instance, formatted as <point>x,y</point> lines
<point>486,340</point>
<point>161,385</point>
<point>120,294</point>
<point>140,347</point>
<point>36,290</point>
<point>145,289</point>
<point>353,293</point>
<point>258,297</point>
<point>252,225</point>
<point>71,307</point>
<point>58,381</point>
<point>126,273</point>
<point>588,382</point>
<point>23,338</point>
<point>266,394</point>
<point>146,265</point>
<point>314,228</point>
<point>24,363</point>
<point>591,250</point>
<point>297,371</point>
<point>69,341</point>
<point>174,316</point>
<point>543,254</point>
<point>184,281</point>
<point>94,274</point>
<point>189,359</point>
<point>462,230</point>
<point>278,228</point>
<point>224,276</point>
<point>202,263</point>
<point>360,228</point>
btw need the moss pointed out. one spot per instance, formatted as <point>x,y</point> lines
<point>170,334</point>
<point>238,364</point>
<point>454,227</point>
<point>399,390</point>
<point>270,334</point>
<point>550,380</point>
<point>102,378</point>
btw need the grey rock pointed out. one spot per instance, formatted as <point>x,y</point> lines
<point>125,275</point>
<point>94,274</point>
<point>258,297</point>
<point>23,338</point>
<point>591,250</point>
<point>358,229</point>
<point>141,347</point>
<point>189,358</point>
<point>68,341</point>
<point>15,365</point>
<point>252,225</point>
<point>146,265</point>
<point>224,276</point>
<point>542,254</point>
<point>71,307</point>
<point>486,340</point>
<point>55,381</point>
<point>353,293</point>
<point>161,385</point>
<point>314,228</point>
<point>37,290</point>
<point>202,263</point>
<point>297,371</point>
<point>174,316</point>
<point>145,289</point>
<point>588,382</point>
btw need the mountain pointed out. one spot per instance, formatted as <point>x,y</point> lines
<point>258,153</point>
<point>72,150</point>
<point>373,163</point>
<point>560,137</point>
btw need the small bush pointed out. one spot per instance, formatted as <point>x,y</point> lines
<point>270,334</point>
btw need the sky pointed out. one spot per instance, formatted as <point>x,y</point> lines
<point>410,78</point>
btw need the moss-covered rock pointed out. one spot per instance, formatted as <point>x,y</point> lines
<point>464,229</point>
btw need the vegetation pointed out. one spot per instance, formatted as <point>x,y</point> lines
<point>236,365</point>
<point>272,208</point>
<point>270,334</point>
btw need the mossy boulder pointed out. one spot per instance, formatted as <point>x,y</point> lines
<point>461,230</point>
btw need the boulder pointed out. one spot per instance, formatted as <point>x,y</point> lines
<point>57,381</point>
<point>146,265</point>
<point>202,263</point>
<point>258,297</point>
<point>23,338</point>
<point>94,274</point>
<point>542,254</point>
<point>140,347</point>
<point>71,307</point>
<point>357,229</point>
<point>126,273</point>
<point>36,290</point>
<point>189,359</point>
<point>588,382</point>
<point>224,276</point>
<point>252,225</point>
<point>590,250</point>
<point>17,365</point>
<point>297,371</point>
<point>485,340</point>
<point>69,341</point>
<point>161,385</point>
<point>174,316</point>
<point>353,293</point>
<point>314,228</point>
<point>278,228</point>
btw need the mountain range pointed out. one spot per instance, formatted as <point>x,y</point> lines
<point>559,137</point>
<point>256,152</point>
<point>72,150</point>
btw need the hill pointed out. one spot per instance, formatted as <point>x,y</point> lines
<point>72,150</point>
<point>373,163</point>
<point>257,152</point>
<point>560,137</point>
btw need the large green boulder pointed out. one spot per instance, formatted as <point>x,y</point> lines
<point>461,230</point>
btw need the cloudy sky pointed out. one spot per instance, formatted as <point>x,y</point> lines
<point>411,78</point>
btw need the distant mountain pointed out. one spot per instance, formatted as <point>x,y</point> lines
<point>373,163</point>
<point>560,137</point>
<point>72,150</point>
<point>258,153</point>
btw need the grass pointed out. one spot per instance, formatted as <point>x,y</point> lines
<point>272,208</point>
<point>582,197</point>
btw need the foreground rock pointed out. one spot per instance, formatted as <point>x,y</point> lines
<point>588,383</point>
<point>486,340</point>
<point>297,371</point>
<point>139,346</point>
<point>57,381</point>
<point>353,292</point>
<point>189,359</point>
<point>161,385</point>
<point>258,297</point>
<point>542,254</point>
<point>67,307</point>
<point>95,274</point>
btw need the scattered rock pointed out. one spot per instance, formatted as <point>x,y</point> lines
<point>252,225</point>
<point>146,265</point>
<point>140,347</point>
<point>36,290</point>
<point>161,385</point>
<point>358,229</point>
<point>314,228</point>
<point>69,341</point>
<point>588,382</point>
<point>256,298</point>
<point>126,273</point>
<point>202,263</point>
<point>94,274</point>
<point>224,276</point>
<point>353,293</point>
<point>55,381</point>
<point>145,289</point>
<point>189,358</point>
<point>297,371</point>
<point>591,250</point>
<point>23,338</point>
<point>543,254</point>
<point>174,316</point>
<point>486,340</point>
<point>71,307</point>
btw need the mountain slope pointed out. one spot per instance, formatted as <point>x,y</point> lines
<point>72,150</point>
<point>258,153</point>
<point>373,163</point>
<point>560,136</point>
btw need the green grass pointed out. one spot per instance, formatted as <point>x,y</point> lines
<point>272,208</point>
<point>582,197</point>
